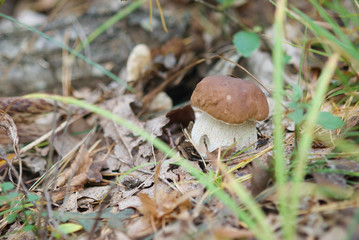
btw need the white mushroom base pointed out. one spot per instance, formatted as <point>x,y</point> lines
<point>210,134</point>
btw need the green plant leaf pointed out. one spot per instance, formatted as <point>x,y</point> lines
<point>246,42</point>
<point>226,3</point>
<point>69,227</point>
<point>32,197</point>
<point>297,116</point>
<point>329,121</point>
<point>11,218</point>
<point>12,197</point>
<point>297,93</point>
<point>29,227</point>
<point>7,186</point>
<point>28,213</point>
<point>287,58</point>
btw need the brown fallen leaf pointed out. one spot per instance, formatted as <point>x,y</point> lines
<point>164,209</point>
<point>123,137</point>
<point>30,116</point>
<point>94,174</point>
<point>59,194</point>
<point>227,232</point>
<point>7,124</point>
<point>131,149</point>
<point>311,196</point>
<point>175,46</point>
<point>64,142</point>
<point>166,206</point>
<point>260,178</point>
<point>78,170</point>
<point>22,108</point>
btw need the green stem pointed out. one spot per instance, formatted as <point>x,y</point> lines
<point>111,21</point>
<point>278,94</point>
<point>307,136</point>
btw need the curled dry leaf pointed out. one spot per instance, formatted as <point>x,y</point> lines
<point>166,206</point>
<point>7,124</point>
<point>32,116</point>
<point>16,106</point>
<point>78,170</point>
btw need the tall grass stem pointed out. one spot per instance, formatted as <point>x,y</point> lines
<point>306,139</point>
<point>278,94</point>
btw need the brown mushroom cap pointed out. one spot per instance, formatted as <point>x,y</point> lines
<point>231,100</point>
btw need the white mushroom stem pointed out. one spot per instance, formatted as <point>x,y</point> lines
<point>209,133</point>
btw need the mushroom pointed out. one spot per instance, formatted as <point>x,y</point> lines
<point>230,107</point>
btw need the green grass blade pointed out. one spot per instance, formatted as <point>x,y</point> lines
<point>134,169</point>
<point>63,46</point>
<point>111,21</point>
<point>278,134</point>
<point>336,28</point>
<point>307,137</point>
<point>347,49</point>
<point>254,209</point>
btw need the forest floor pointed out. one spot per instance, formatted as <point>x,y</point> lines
<point>96,120</point>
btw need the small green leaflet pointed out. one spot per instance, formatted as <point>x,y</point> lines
<point>7,186</point>
<point>226,3</point>
<point>329,121</point>
<point>29,227</point>
<point>246,42</point>
<point>2,2</point>
<point>32,197</point>
<point>68,228</point>
<point>11,218</point>
<point>297,93</point>
<point>297,116</point>
<point>286,59</point>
